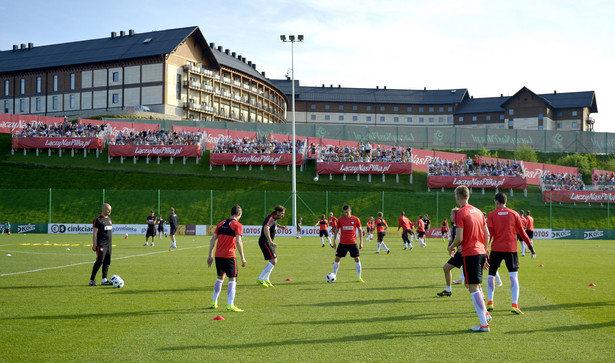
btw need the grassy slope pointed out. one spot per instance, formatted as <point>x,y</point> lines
<point>78,184</point>
<point>160,314</point>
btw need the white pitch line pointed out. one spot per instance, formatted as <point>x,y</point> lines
<point>90,262</point>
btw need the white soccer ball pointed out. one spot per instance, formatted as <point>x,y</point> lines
<point>117,281</point>
<point>316,178</point>
<point>330,277</point>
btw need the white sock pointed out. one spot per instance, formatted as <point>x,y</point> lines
<point>497,276</point>
<point>479,306</point>
<point>378,249</point>
<point>514,286</point>
<point>523,247</point>
<point>448,288</point>
<point>336,265</point>
<point>268,274</point>
<point>358,266</point>
<point>329,240</point>
<point>322,240</point>
<point>217,289</point>
<point>490,287</point>
<point>231,292</point>
<point>265,273</point>
<point>385,246</point>
<point>411,238</point>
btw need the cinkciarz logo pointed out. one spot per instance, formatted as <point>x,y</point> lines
<point>58,228</point>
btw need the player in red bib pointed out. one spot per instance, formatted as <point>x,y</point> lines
<point>473,236</point>
<point>381,228</point>
<point>228,233</point>
<point>420,231</point>
<point>406,227</point>
<point>444,230</point>
<point>524,223</point>
<point>529,227</point>
<point>333,224</point>
<point>371,224</point>
<point>504,224</point>
<point>348,227</point>
<point>324,230</point>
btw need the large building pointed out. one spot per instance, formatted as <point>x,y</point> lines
<point>176,74</point>
<point>452,107</point>
<point>171,72</point>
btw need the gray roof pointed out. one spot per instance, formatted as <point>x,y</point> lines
<point>94,50</point>
<point>481,105</point>
<point>371,95</point>
<point>228,60</point>
<point>572,100</point>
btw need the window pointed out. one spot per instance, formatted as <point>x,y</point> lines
<point>39,81</point>
<point>559,125</point>
<point>368,118</point>
<point>341,107</point>
<point>421,120</point>
<point>488,118</point>
<point>6,88</point>
<point>381,118</point>
<point>368,108</point>
<point>22,105</point>
<point>72,101</point>
<point>574,113</point>
<point>341,118</point>
<point>511,112</point>
<point>395,119</point>
<point>55,83</point>
<point>381,108</point>
<point>327,107</point>
<point>511,123</point>
<point>441,120</point>
<point>354,108</point>
<point>409,109</point>
<point>440,109</point>
<point>421,109</point>
<point>574,125</point>
<point>313,117</point>
<point>115,98</point>
<point>355,118</point>
<point>540,127</point>
<point>409,119</point>
<point>6,106</point>
<point>449,119</point>
<point>501,117</point>
<point>431,109</point>
<point>460,118</point>
<point>72,81</point>
<point>450,109</point>
<point>38,103</point>
<point>327,117</point>
<point>178,87</point>
<point>501,126</point>
<point>313,107</point>
<point>540,116</point>
<point>474,118</point>
<point>431,120</point>
<point>116,76</point>
<point>54,104</point>
<point>395,108</point>
<point>22,86</point>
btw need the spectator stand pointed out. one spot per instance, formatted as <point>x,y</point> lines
<point>59,134</point>
<point>343,157</point>
<point>477,173</point>
<point>570,188</point>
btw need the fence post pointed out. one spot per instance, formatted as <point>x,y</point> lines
<point>49,205</point>
<point>211,206</point>
<point>326,203</point>
<point>265,203</point>
<point>383,201</point>
<point>158,201</point>
<point>104,196</point>
<point>437,206</point>
<point>550,210</point>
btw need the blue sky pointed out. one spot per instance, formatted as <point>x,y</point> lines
<point>489,47</point>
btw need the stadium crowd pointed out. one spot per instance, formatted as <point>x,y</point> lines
<point>565,181</point>
<point>362,154</point>
<point>604,181</point>
<point>475,167</point>
<point>160,137</point>
<point>65,129</point>
<point>264,145</point>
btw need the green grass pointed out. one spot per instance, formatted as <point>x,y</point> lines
<point>161,315</point>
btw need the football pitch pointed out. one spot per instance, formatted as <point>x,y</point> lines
<point>49,313</point>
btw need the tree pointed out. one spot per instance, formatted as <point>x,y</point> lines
<point>525,153</point>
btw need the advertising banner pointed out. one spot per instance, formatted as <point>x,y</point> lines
<point>57,143</point>
<point>578,196</point>
<point>155,150</point>
<point>491,182</point>
<point>29,228</point>
<point>70,228</point>
<point>254,159</point>
<point>14,124</point>
<point>363,168</point>
<point>542,233</point>
<point>256,231</point>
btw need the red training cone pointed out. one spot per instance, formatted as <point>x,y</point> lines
<point>592,284</point>
<point>219,318</point>
<point>541,265</point>
<point>289,279</point>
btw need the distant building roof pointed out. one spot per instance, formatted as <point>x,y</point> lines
<point>371,95</point>
<point>481,105</point>
<point>228,60</point>
<point>572,100</point>
<point>139,45</point>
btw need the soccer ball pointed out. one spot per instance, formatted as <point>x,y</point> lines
<point>316,178</point>
<point>330,277</point>
<point>117,281</point>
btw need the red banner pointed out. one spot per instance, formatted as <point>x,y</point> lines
<point>491,182</point>
<point>363,168</point>
<point>254,159</point>
<point>13,124</point>
<point>421,158</point>
<point>155,150</point>
<point>577,196</point>
<point>57,143</point>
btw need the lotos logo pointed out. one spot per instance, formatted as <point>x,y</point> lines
<point>593,234</point>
